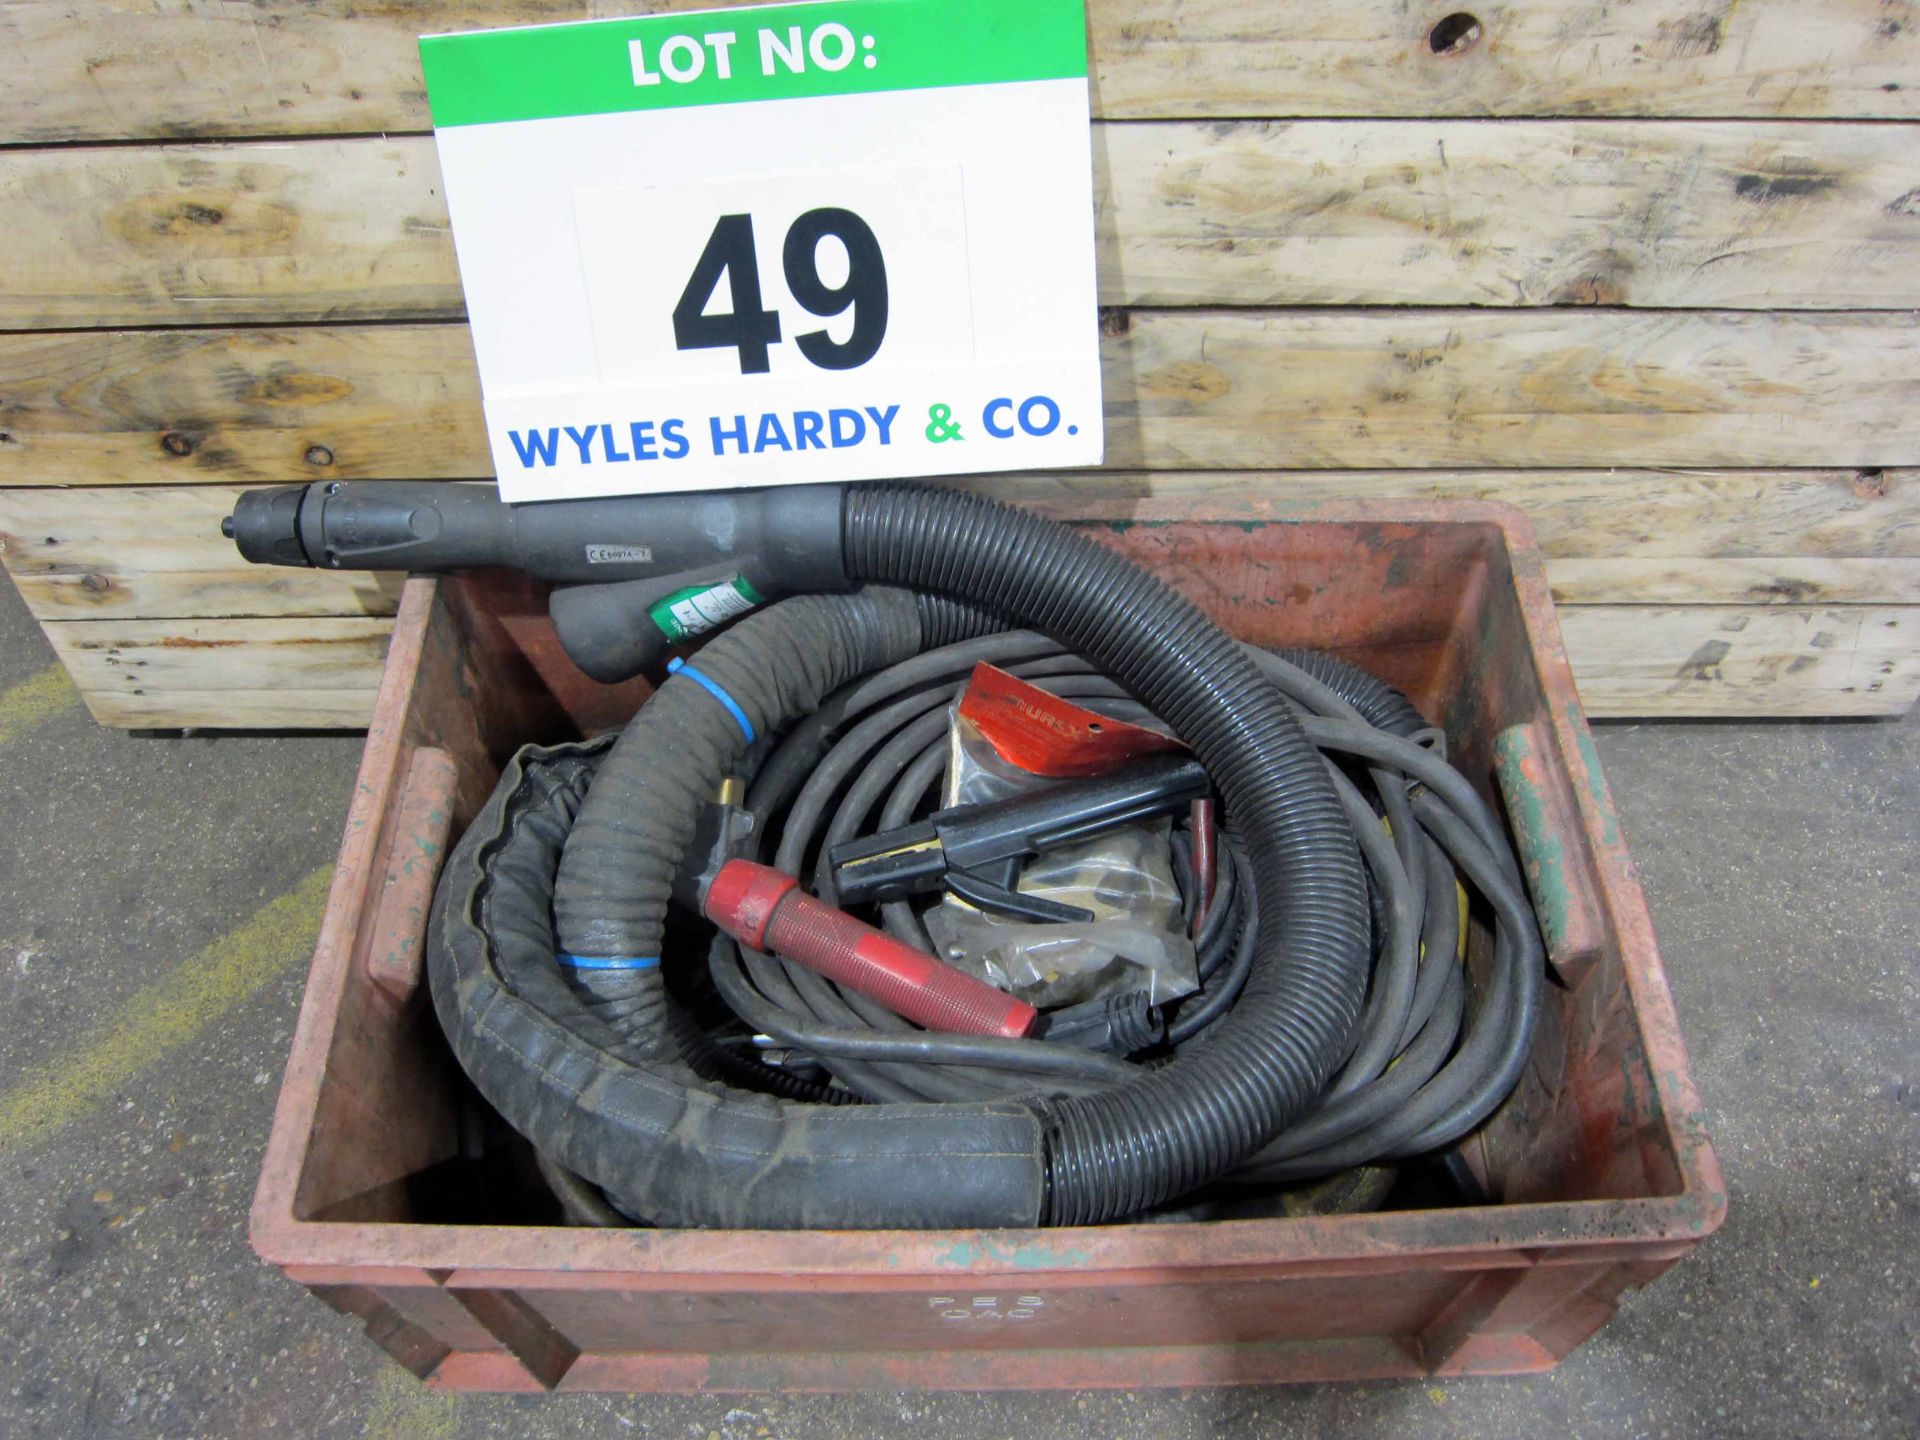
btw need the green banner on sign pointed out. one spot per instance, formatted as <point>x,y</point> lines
<point>721,57</point>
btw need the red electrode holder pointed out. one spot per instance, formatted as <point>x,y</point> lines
<point>766,910</point>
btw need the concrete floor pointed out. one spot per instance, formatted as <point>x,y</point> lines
<point>147,1018</point>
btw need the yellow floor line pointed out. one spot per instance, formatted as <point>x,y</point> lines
<point>404,1409</point>
<point>165,1014</point>
<point>39,697</point>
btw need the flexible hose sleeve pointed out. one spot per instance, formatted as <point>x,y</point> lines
<point>674,1150</point>
<point>1119,1151</point>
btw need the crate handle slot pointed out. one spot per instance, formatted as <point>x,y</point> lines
<point>1547,832</point>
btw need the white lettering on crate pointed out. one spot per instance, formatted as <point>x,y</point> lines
<point>967,1308</point>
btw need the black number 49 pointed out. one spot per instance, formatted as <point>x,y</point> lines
<point>750,328</point>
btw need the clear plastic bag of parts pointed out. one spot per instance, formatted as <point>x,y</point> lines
<point>1137,940</point>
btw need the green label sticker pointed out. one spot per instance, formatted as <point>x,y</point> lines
<point>775,52</point>
<point>700,608</point>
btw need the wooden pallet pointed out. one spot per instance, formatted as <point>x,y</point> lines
<point>1649,270</point>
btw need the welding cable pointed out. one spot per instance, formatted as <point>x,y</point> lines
<point>866,758</point>
<point>873,757</point>
<point>921,1046</point>
<point>1378,1035</point>
<point>1217,932</point>
<point>899,753</point>
<point>1438,1085</point>
<point>1440,938</point>
<point>861,764</point>
<point>1196,1013</point>
<point>1492,872</point>
<point>1414,1016</point>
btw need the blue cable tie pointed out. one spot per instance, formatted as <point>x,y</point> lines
<point>607,962</point>
<point>677,666</point>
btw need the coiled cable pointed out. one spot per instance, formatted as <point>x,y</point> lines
<point>1425,1063</point>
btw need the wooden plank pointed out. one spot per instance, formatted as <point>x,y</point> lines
<point>136,69</point>
<point>96,553</point>
<point>304,654</point>
<point>309,673</point>
<point>1629,661</point>
<point>1706,660</point>
<point>205,234</point>
<point>1705,58</point>
<point>1521,213</point>
<point>1320,213</point>
<point>159,407</point>
<point>1764,580</point>
<point>1515,388</point>
<point>1183,390</point>
<point>270,708</point>
<point>114,585</point>
<point>1623,537</point>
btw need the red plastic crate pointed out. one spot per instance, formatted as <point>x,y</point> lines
<point>1600,1161</point>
